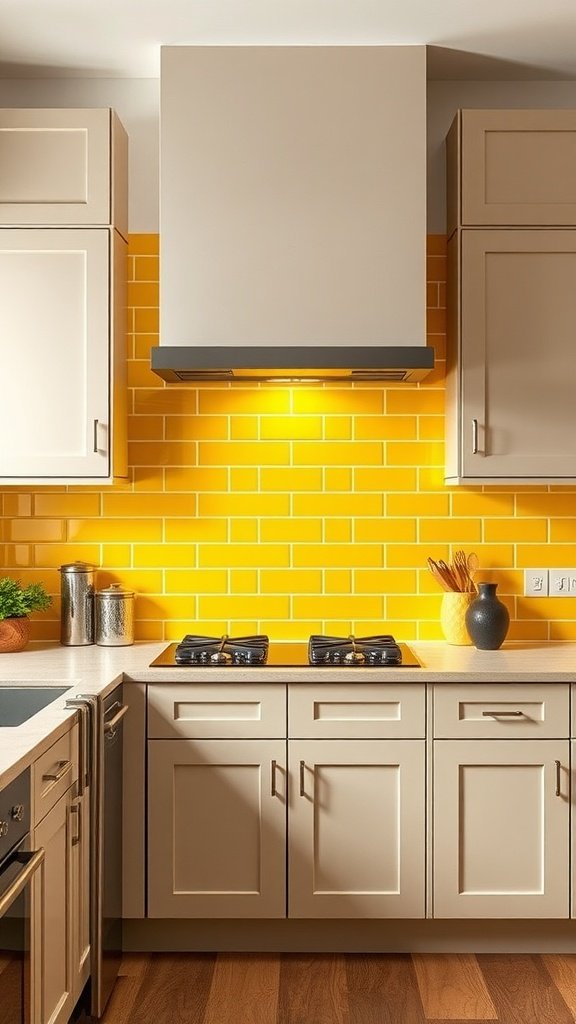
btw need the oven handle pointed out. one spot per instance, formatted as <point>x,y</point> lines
<point>111,724</point>
<point>22,879</point>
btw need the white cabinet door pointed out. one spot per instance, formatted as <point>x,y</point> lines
<point>54,976</point>
<point>356,828</point>
<point>501,829</point>
<point>216,828</point>
<point>54,344</point>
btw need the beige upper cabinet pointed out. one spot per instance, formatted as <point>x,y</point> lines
<point>63,167</point>
<point>517,167</point>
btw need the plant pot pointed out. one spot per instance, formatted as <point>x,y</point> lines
<point>487,619</point>
<point>14,634</point>
<point>453,617</point>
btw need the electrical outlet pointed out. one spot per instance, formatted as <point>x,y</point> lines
<point>559,582</point>
<point>536,582</point>
<point>572,581</point>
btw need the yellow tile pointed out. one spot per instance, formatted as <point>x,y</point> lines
<point>244,530</point>
<point>404,556</point>
<point>107,529</point>
<point>338,530</point>
<point>237,607</point>
<point>170,401</point>
<point>381,478</point>
<point>243,581</point>
<point>164,555</point>
<point>20,530</point>
<point>384,581</point>
<point>146,320</point>
<point>146,268</point>
<point>176,630</point>
<point>148,478</point>
<point>195,478</point>
<point>418,504</point>
<point>337,479</point>
<point>253,505</point>
<point>322,401</point>
<point>251,401</point>
<point>403,401</point>
<point>144,629</point>
<point>554,556</point>
<point>417,606</point>
<point>289,479</point>
<point>338,581</point>
<point>553,505</point>
<point>249,555</point>
<point>431,428</point>
<point>61,554</point>
<point>274,428</point>
<point>291,530</point>
<point>561,630</point>
<point>143,293</point>
<point>49,578</point>
<point>455,531</point>
<point>342,505</point>
<point>196,581</point>
<point>431,478</point>
<point>517,530</point>
<point>19,505</point>
<point>383,428</point>
<point>337,428</point>
<point>243,479</point>
<point>66,505</point>
<point>47,631</point>
<point>160,606</point>
<point>196,530</point>
<point>347,453</point>
<point>140,375</point>
<point>143,505</point>
<point>385,529</point>
<point>487,504</point>
<point>142,581</point>
<point>289,631</point>
<point>563,530</point>
<point>143,244</point>
<point>162,453</point>
<point>330,607</point>
<point>196,428</point>
<point>291,581</point>
<point>414,453</point>
<point>141,345</point>
<point>430,631</point>
<point>116,556</point>
<point>341,627</point>
<point>243,453</point>
<point>244,428</point>
<point>343,555</point>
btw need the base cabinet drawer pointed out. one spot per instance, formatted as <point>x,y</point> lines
<point>364,710</point>
<point>501,710</point>
<point>238,711</point>
<point>53,773</point>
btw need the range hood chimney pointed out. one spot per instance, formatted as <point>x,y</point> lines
<point>293,214</point>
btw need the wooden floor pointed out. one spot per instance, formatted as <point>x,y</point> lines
<point>192,988</point>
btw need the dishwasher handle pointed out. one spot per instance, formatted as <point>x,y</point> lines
<point>30,864</point>
<point>111,724</point>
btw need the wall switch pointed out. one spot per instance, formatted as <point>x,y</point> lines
<point>572,581</point>
<point>536,582</point>
<point>559,582</point>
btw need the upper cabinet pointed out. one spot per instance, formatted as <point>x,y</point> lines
<point>63,167</point>
<point>511,296</point>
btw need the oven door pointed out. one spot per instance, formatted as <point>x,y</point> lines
<point>16,873</point>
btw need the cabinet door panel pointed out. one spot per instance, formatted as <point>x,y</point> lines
<point>216,828</point>
<point>356,828</point>
<point>53,928</point>
<point>501,840</point>
<point>517,351</point>
<point>54,325</point>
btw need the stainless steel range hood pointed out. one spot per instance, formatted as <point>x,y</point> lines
<point>293,214</point>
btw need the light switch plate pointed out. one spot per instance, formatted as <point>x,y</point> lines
<point>536,582</point>
<point>560,581</point>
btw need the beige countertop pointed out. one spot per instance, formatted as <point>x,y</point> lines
<point>96,670</point>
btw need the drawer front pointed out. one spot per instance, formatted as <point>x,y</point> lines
<point>216,711</point>
<point>506,710</point>
<point>369,710</point>
<point>53,773</point>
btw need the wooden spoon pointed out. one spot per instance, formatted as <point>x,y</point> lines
<point>437,574</point>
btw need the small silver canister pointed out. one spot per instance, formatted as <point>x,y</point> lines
<point>114,616</point>
<point>77,614</point>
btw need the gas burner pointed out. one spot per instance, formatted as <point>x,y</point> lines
<point>353,651</point>
<point>223,650</point>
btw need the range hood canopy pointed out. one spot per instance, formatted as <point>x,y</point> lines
<point>290,365</point>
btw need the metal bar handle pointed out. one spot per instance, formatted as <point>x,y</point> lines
<point>21,880</point>
<point>62,770</point>
<point>76,809</point>
<point>558,770</point>
<point>474,437</point>
<point>503,714</point>
<point>273,778</point>
<point>111,723</point>
<point>302,786</point>
<point>96,437</point>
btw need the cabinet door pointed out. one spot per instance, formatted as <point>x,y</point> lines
<point>54,978</point>
<point>501,829</point>
<point>216,828</point>
<point>54,326</point>
<point>80,865</point>
<point>518,415</point>
<point>356,828</point>
<point>518,167</point>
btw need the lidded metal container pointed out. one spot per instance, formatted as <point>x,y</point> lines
<point>114,616</point>
<point>77,614</point>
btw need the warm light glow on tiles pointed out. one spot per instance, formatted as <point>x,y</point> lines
<point>287,508</point>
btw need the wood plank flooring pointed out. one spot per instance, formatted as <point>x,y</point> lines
<point>290,988</point>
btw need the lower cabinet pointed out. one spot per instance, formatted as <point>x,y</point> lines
<point>80,812</point>
<point>501,828</point>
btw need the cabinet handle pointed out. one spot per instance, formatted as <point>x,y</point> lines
<point>503,714</point>
<point>96,437</point>
<point>76,809</point>
<point>474,437</point>
<point>62,769</point>
<point>558,770</point>
<point>302,789</point>
<point>273,778</point>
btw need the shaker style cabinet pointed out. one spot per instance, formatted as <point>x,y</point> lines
<point>511,297</point>
<point>62,296</point>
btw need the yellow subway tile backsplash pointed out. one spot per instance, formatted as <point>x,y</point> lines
<point>288,510</point>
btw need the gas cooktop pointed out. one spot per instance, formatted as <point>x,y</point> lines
<point>256,651</point>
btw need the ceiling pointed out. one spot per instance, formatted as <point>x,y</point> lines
<point>121,38</point>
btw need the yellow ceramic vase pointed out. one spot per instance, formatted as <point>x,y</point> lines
<point>453,617</point>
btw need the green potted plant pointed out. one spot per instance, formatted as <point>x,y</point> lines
<point>16,603</point>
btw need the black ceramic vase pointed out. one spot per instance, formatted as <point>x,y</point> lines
<point>487,619</point>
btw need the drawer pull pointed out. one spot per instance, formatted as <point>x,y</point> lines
<point>474,437</point>
<point>62,769</point>
<point>558,769</point>
<point>302,787</point>
<point>273,778</point>
<point>76,810</point>
<point>503,714</point>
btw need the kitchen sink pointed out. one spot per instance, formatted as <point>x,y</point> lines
<point>19,703</point>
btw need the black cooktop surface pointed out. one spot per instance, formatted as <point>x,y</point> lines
<point>288,655</point>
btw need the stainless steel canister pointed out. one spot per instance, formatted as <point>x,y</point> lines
<point>77,614</point>
<point>114,616</point>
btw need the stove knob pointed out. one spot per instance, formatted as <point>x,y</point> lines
<point>18,812</point>
<point>3,829</point>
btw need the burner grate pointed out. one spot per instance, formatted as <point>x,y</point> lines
<point>223,650</point>
<point>351,650</point>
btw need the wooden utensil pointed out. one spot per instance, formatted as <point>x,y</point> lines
<point>438,575</point>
